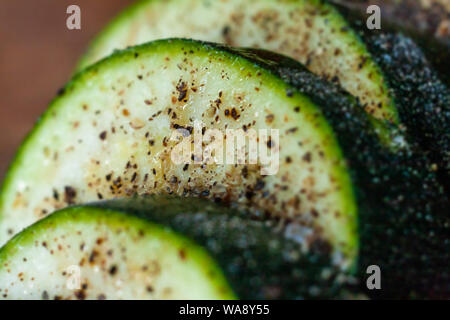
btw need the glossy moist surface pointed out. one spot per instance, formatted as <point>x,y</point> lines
<point>311,32</point>
<point>108,135</point>
<point>89,253</point>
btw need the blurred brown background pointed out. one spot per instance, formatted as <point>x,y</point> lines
<point>37,56</point>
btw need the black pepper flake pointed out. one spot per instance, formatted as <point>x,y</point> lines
<point>182,90</point>
<point>108,177</point>
<point>234,114</point>
<point>93,255</point>
<point>307,157</point>
<point>113,270</point>
<point>80,295</point>
<point>226,31</point>
<point>69,195</point>
<point>249,194</point>
<point>61,91</point>
<point>245,172</point>
<point>103,135</point>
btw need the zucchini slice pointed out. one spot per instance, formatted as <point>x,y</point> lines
<point>402,205</point>
<point>423,21</point>
<point>163,248</point>
<point>423,98</point>
<point>109,135</point>
<point>310,31</point>
<point>333,169</point>
<point>417,73</point>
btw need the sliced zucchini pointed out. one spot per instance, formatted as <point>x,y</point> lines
<point>416,70</point>
<point>423,99</point>
<point>310,31</point>
<point>402,205</point>
<point>423,21</point>
<point>163,248</point>
<point>333,168</point>
<point>109,135</point>
<point>90,253</point>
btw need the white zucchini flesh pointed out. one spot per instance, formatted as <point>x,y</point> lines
<point>91,253</point>
<point>310,31</point>
<point>108,135</point>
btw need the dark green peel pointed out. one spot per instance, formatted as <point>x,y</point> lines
<point>403,209</point>
<point>260,260</point>
<point>423,99</point>
<point>410,18</point>
<point>416,68</point>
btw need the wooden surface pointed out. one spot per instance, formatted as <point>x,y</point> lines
<point>37,56</point>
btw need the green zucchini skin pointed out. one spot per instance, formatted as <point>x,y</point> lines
<point>403,208</point>
<point>416,68</point>
<point>259,260</point>
<point>236,256</point>
<point>401,203</point>
<point>423,99</point>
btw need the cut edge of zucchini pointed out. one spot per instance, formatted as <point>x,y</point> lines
<point>94,268</point>
<point>386,121</point>
<point>347,241</point>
